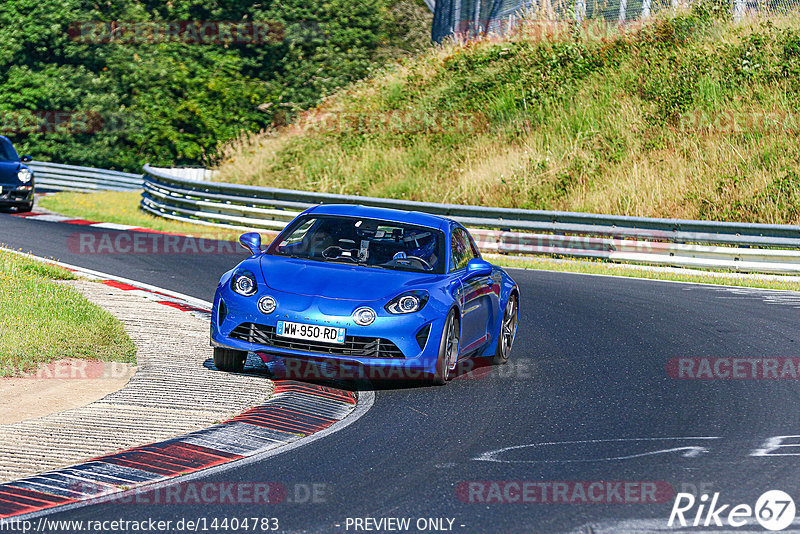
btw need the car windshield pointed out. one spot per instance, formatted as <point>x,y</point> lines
<point>368,242</point>
<point>7,152</point>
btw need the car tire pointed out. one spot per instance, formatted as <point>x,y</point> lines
<point>508,329</point>
<point>229,360</point>
<point>25,209</point>
<point>448,344</point>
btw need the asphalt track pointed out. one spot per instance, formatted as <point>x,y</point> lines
<point>589,367</point>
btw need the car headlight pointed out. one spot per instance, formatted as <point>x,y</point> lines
<point>244,283</point>
<point>364,316</point>
<point>24,175</point>
<point>409,302</point>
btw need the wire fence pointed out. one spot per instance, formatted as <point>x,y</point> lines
<point>478,17</point>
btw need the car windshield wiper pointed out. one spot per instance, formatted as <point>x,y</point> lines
<point>298,257</point>
<point>351,261</point>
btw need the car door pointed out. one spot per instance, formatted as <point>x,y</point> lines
<point>475,292</point>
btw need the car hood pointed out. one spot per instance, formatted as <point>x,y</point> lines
<point>8,172</point>
<point>337,280</point>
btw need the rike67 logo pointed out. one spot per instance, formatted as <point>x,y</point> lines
<point>774,510</point>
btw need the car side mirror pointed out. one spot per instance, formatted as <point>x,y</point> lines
<point>251,241</point>
<point>477,267</point>
<point>25,159</point>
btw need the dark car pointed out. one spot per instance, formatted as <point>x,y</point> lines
<point>16,179</point>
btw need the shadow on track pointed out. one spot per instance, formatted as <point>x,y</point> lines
<point>328,374</point>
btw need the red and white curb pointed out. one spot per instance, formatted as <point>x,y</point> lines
<point>296,414</point>
<point>91,237</point>
<point>189,304</point>
<point>53,217</point>
<point>295,411</point>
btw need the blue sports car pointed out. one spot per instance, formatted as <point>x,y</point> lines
<point>368,287</point>
<point>16,179</point>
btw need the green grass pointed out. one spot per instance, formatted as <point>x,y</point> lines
<point>692,116</point>
<point>123,208</point>
<point>42,320</point>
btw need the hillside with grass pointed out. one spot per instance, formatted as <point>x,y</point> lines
<point>691,116</point>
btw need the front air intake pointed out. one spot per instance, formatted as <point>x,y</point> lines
<point>223,312</point>
<point>422,335</point>
<point>356,346</point>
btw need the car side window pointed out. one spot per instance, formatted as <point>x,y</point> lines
<point>473,247</point>
<point>461,250</point>
<point>7,152</point>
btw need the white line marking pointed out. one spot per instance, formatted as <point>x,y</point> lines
<point>49,218</point>
<point>691,451</point>
<point>113,226</point>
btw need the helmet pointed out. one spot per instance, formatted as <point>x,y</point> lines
<point>424,246</point>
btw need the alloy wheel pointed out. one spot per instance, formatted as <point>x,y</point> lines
<point>509,325</point>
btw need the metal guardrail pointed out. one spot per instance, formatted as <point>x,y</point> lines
<point>191,173</point>
<point>58,177</point>
<point>676,242</point>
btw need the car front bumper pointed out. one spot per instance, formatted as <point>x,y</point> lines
<point>15,195</point>
<point>404,346</point>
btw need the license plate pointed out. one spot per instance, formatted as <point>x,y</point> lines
<point>310,332</point>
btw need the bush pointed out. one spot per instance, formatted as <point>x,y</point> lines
<point>174,103</point>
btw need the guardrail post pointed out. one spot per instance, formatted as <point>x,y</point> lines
<point>580,11</point>
<point>738,10</point>
<point>645,9</point>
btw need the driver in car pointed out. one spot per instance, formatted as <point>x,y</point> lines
<point>425,249</point>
